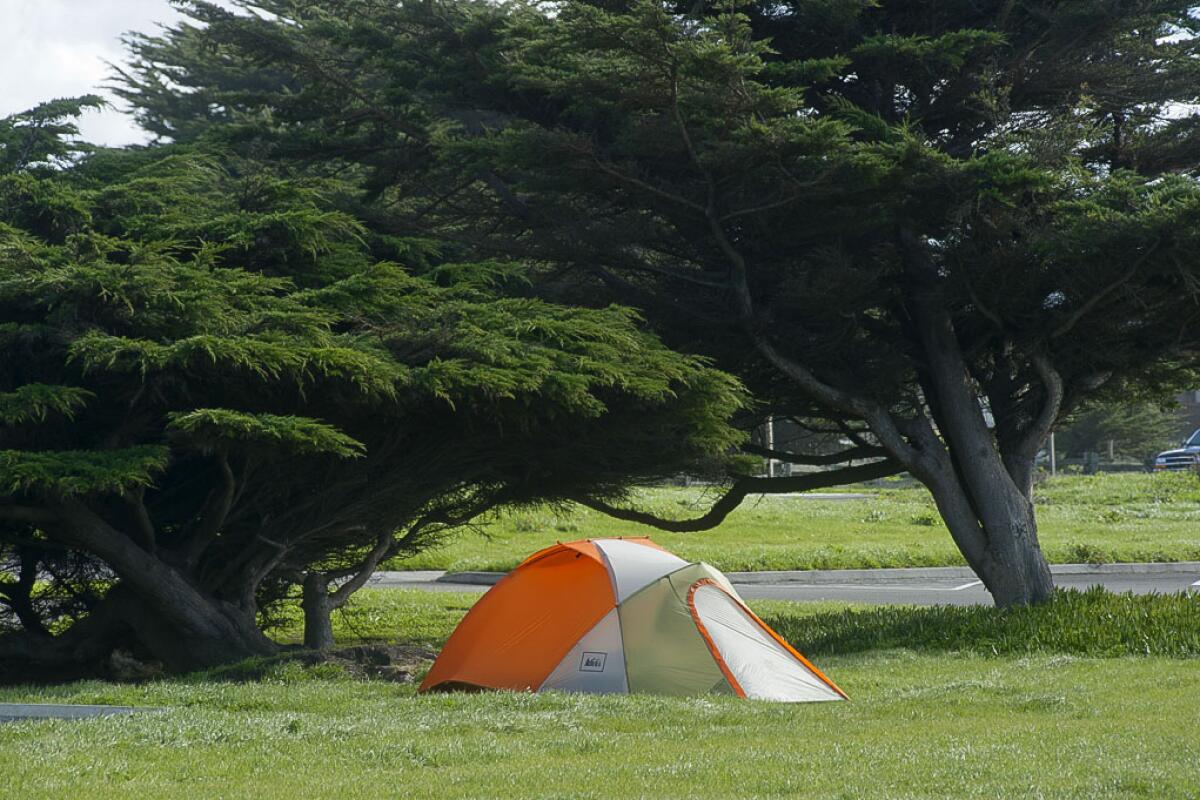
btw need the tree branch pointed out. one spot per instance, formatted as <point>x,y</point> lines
<point>876,417</point>
<point>638,183</point>
<point>34,515</point>
<point>213,515</point>
<point>1071,321</point>
<point>145,528</point>
<point>742,212</point>
<point>850,454</point>
<point>1039,429</point>
<point>383,548</point>
<point>747,486</point>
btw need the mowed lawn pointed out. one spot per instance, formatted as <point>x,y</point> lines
<point>937,719</point>
<point>1088,519</point>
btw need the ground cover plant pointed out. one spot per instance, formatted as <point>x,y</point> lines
<point>924,720</point>
<point>1085,519</point>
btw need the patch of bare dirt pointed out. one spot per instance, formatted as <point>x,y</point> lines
<point>389,662</point>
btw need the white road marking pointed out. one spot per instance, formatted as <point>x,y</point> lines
<point>967,586</point>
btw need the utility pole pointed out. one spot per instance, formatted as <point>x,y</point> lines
<point>1053,458</point>
<point>770,445</point>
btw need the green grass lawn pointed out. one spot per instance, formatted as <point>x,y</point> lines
<point>938,717</point>
<point>1094,519</point>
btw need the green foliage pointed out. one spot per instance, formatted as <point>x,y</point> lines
<point>216,428</point>
<point>819,184</point>
<point>45,135</point>
<point>33,401</point>
<point>304,360</point>
<point>1024,143</point>
<point>67,473</point>
<point>224,365</point>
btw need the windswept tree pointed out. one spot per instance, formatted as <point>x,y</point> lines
<point>45,136</point>
<point>931,227</point>
<point>217,392</point>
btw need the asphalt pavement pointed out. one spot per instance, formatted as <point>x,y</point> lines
<point>921,586</point>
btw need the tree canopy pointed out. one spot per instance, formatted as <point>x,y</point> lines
<point>218,387</point>
<point>933,227</point>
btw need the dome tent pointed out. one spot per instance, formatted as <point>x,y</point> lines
<point>618,616</point>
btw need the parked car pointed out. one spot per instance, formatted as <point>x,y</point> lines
<point>1186,457</point>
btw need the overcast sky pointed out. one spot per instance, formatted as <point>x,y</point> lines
<point>58,48</point>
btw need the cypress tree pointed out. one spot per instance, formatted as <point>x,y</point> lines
<point>219,391</point>
<point>933,228</point>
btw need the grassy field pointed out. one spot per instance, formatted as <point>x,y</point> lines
<point>936,718</point>
<point>1092,519</point>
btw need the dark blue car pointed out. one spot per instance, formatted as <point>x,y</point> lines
<point>1185,458</point>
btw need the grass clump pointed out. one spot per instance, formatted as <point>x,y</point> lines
<point>1092,623</point>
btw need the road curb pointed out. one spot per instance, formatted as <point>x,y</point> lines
<point>818,576</point>
<point>14,712</point>
<point>472,578</point>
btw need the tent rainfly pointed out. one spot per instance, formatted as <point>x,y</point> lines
<point>620,616</point>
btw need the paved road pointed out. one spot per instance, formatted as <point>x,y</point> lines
<point>928,586</point>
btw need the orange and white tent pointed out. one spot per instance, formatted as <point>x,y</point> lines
<point>621,615</point>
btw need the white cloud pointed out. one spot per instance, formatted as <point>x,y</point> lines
<point>59,48</point>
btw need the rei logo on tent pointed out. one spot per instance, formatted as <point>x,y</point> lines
<point>593,662</point>
<point>670,626</point>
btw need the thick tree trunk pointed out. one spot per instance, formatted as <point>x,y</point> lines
<point>192,632</point>
<point>1016,572</point>
<point>318,606</point>
<point>188,633</point>
<point>157,609</point>
<point>996,531</point>
<point>79,651</point>
<point>984,494</point>
<point>172,619</point>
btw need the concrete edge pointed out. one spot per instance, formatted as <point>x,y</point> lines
<point>1146,568</point>
<point>472,578</point>
<point>839,575</point>
<point>11,712</point>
